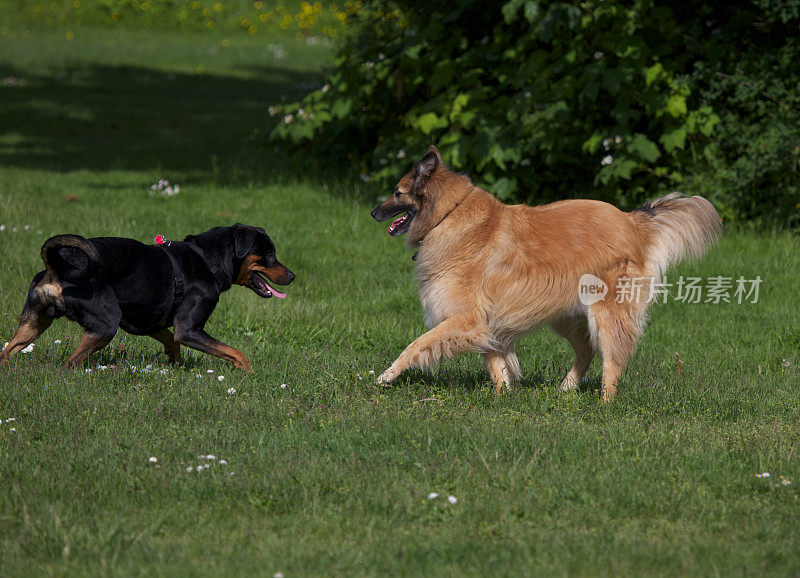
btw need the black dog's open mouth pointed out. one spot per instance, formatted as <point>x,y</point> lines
<point>401,225</point>
<point>262,288</point>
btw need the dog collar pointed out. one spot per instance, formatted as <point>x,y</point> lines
<point>218,275</point>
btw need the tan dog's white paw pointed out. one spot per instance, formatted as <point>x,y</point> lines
<point>569,384</point>
<point>386,378</point>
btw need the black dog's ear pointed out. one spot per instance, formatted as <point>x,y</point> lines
<point>427,164</point>
<point>243,239</point>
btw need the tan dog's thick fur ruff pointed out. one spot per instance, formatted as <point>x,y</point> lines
<point>489,273</point>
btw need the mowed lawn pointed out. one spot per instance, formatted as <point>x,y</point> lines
<point>304,467</point>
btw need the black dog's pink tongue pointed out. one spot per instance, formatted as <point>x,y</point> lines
<point>275,292</point>
<point>396,223</point>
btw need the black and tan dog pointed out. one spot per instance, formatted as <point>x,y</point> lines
<point>109,282</point>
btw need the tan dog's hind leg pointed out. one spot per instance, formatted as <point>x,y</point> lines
<point>452,336</point>
<point>31,326</point>
<point>618,328</point>
<point>171,347</point>
<point>575,330</point>
<point>499,370</point>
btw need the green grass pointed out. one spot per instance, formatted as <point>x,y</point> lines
<point>330,474</point>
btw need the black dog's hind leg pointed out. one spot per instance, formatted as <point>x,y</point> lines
<point>99,315</point>
<point>90,343</point>
<point>43,304</point>
<point>31,326</point>
<point>171,347</point>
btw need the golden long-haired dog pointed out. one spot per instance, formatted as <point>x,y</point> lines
<point>489,273</point>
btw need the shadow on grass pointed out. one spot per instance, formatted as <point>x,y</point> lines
<point>468,380</point>
<point>98,118</point>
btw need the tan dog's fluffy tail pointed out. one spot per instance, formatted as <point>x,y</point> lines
<point>675,227</point>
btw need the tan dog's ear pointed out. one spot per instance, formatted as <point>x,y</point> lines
<point>427,164</point>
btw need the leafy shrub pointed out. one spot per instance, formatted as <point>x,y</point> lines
<point>545,100</point>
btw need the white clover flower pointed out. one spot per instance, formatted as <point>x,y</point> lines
<point>57,341</point>
<point>209,371</point>
<point>12,429</point>
<point>283,386</point>
<point>220,377</point>
<point>607,160</point>
<point>9,420</point>
<point>288,119</point>
<point>607,143</point>
<point>28,349</point>
<point>190,469</point>
<point>326,87</point>
<point>27,227</point>
<point>153,460</point>
<point>371,372</point>
<point>231,390</point>
<point>2,227</point>
<point>401,154</point>
<point>207,457</point>
<point>223,462</point>
<point>273,110</point>
<point>452,499</point>
<point>433,495</point>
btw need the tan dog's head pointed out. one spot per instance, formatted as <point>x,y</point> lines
<point>423,198</point>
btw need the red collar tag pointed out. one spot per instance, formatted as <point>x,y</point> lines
<point>162,240</point>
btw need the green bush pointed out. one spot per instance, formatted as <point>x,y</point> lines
<point>545,100</point>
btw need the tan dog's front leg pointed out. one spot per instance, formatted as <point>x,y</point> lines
<point>452,336</point>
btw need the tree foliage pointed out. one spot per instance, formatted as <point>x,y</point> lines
<point>545,100</point>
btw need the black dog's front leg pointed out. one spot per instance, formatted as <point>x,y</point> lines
<point>189,331</point>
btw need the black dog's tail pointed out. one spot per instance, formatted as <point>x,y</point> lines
<point>70,257</point>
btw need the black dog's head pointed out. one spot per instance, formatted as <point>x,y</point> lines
<point>247,254</point>
<point>259,263</point>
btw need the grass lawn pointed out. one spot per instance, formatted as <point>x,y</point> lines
<point>326,474</point>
